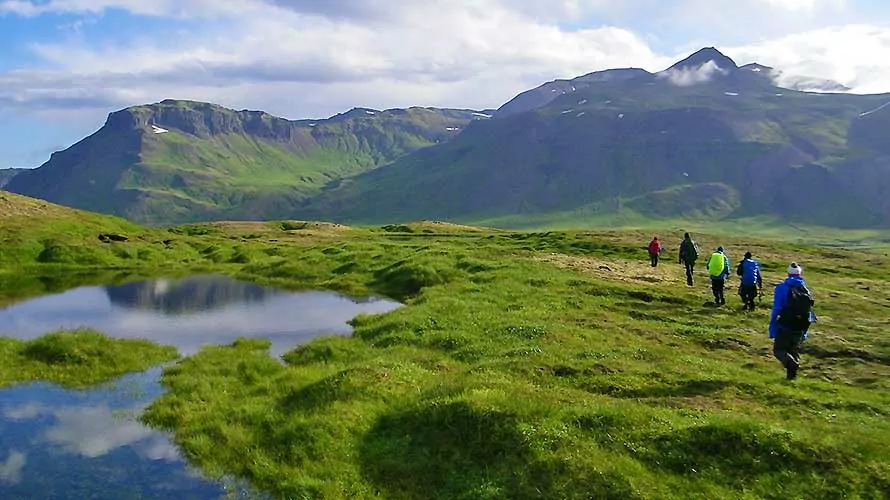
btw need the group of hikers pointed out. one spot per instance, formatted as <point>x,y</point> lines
<point>792,311</point>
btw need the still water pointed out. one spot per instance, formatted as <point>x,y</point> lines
<point>56,443</point>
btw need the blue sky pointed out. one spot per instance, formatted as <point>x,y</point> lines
<point>66,64</point>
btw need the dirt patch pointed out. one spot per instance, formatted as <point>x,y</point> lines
<point>629,271</point>
<point>440,226</point>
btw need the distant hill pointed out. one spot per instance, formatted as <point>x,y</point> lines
<point>6,174</point>
<point>704,138</point>
<point>178,161</point>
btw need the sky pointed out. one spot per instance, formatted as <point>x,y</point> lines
<point>65,64</point>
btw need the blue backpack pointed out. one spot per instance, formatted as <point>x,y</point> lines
<point>750,272</point>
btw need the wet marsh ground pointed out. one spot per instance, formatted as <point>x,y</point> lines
<point>535,365</point>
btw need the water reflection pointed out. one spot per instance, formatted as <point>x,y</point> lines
<point>56,443</point>
<point>191,312</point>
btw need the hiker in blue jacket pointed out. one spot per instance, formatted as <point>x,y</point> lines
<point>790,319</point>
<point>749,270</point>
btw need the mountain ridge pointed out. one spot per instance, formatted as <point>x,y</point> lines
<point>184,161</point>
<point>704,136</point>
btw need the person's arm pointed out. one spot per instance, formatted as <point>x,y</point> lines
<point>739,270</point>
<point>779,297</point>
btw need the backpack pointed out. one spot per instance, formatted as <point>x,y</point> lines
<point>654,247</point>
<point>750,272</point>
<point>717,264</point>
<point>796,314</point>
<point>689,251</point>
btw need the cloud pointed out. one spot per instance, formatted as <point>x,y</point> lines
<point>326,54</point>
<point>856,56</point>
<point>95,431</point>
<point>91,431</point>
<point>688,76</point>
<point>11,468</point>
<point>306,58</point>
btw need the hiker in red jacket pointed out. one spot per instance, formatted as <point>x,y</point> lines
<point>654,250</point>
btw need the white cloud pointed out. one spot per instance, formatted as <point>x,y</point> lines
<point>90,431</point>
<point>305,58</point>
<point>685,77</point>
<point>11,468</point>
<point>856,56</point>
<point>472,53</point>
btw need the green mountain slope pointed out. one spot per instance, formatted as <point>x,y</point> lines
<point>704,138</point>
<point>178,161</point>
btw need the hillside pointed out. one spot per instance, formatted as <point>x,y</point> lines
<point>704,139</point>
<point>6,174</point>
<point>180,161</point>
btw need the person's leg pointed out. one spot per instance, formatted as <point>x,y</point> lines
<point>748,295</point>
<point>786,348</point>
<point>652,261</point>
<point>655,260</point>
<point>720,288</point>
<point>689,271</point>
<point>794,354</point>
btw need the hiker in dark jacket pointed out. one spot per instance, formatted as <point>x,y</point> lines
<point>749,271</point>
<point>688,256</point>
<point>654,250</point>
<point>718,269</point>
<point>790,319</point>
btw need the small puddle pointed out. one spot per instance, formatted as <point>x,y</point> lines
<point>192,312</point>
<point>58,443</point>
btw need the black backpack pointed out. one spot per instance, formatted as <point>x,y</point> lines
<point>796,315</point>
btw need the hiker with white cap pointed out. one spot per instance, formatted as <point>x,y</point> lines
<point>790,319</point>
<point>718,269</point>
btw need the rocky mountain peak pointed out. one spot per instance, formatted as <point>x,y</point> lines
<point>702,57</point>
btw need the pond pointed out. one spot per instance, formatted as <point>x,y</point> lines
<point>57,443</point>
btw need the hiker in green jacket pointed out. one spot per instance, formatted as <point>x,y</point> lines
<point>718,269</point>
<point>688,256</point>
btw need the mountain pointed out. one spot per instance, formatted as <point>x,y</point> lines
<point>6,174</point>
<point>193,295</point>
<point>704,138</point>
<point>548,92</point>
<point>178,161</point>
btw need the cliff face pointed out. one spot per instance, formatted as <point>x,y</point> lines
<point>178,161</point>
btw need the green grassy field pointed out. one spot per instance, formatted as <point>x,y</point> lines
<point>77,359</point>
<point>533,365</point>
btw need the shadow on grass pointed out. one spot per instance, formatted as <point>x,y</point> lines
<point>740,455</point>
<point>688,388</point>
<point>824,353</point>
<point>457,450</point>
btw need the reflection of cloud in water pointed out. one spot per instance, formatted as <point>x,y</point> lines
<point>286,318</point>
<point>11,468</point>
<point>93,431</point>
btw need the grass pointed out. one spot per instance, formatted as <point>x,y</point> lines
<point>549,364</point>
<point>77,359</point>
<point>545,365</point>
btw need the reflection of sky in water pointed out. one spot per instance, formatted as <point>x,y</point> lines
<point>227,311</point>
<point>56,443</point>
